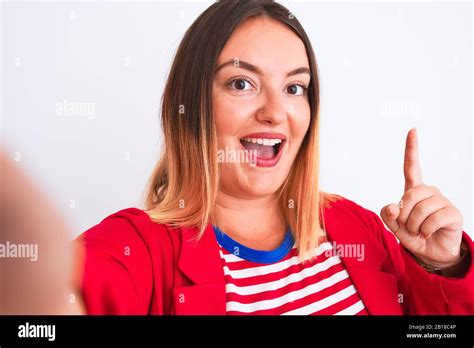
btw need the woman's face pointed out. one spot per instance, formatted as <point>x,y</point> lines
<point>261,106</point>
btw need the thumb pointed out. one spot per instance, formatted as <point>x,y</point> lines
<point>389,215</point>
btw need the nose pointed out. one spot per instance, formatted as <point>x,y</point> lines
<point>273,111</point>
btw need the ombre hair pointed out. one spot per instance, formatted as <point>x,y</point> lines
<point>183,186</point>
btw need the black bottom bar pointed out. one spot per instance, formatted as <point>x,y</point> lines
<point>136,330</point>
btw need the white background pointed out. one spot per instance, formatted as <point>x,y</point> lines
<point>385,67</point>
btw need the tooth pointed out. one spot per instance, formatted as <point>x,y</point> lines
<point>266,141</point>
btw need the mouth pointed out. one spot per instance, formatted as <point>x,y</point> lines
<point>265,147</point>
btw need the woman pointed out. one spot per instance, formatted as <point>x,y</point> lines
<point>229,234</point>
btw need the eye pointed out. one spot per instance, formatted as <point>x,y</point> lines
<point>296,89</point>
<point>240,84</point>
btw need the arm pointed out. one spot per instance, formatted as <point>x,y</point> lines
<point>424,292</point>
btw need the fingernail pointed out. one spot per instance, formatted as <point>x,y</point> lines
<point>390,210</point>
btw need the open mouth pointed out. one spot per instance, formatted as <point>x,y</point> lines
<point>264,148</point>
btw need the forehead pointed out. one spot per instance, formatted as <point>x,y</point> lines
<point>266,43</point>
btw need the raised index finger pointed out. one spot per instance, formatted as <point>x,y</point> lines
<point>411,166</point>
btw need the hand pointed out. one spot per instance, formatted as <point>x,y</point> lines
<point>425,222</point>
<point>43,284</point>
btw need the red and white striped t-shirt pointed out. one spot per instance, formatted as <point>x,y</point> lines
<point>275,282</point>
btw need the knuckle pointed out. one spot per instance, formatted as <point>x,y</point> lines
<point>409,196</point>
<point>457,213</point>
<point>424,230</point>
<point>436,219</point>
<point>411,227</point>
<point>422,210</point>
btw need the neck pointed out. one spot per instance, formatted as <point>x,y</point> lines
<point>256,223</point>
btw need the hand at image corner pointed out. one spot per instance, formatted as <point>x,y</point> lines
<point>40,285</point>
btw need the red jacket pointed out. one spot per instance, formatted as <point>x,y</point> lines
<point>135,266</point>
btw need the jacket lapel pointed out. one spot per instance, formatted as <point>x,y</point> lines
<point>377,289</point>
<point>200,262</point>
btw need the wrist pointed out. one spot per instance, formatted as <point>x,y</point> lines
<point>439,265</point>
<point>447,268</point>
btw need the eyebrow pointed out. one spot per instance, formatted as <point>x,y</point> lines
<point>253,68</point>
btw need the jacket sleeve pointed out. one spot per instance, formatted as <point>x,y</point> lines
<point>423,292</point>
<point>116,267</point>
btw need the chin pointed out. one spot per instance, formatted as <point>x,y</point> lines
<point>263,185</point>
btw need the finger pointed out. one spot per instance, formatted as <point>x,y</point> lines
<point>389,215</point>
<point>411,165</point>
<point>444,218</point>
<point>413,196</point>
<point>422,211</point>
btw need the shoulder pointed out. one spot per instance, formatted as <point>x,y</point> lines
<point>340,204</point>
<point>127,229</point>
<point>117,270</point>
<point>349,213</point>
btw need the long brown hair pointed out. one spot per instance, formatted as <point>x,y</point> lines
<point>183,187</point>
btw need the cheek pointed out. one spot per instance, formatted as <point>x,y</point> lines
<point>230,115</point>
<point>299,122</point>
